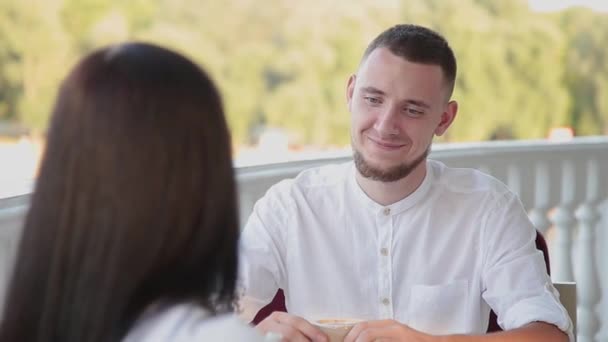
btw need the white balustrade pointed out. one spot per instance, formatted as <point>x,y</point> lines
<point>562,218</point>
<point>587,277</point>
<point>12,214</point>
<point>538,213</point>
<point>514,180</point>
<point>563,186</point>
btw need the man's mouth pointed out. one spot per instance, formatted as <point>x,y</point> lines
<point>387,145</point>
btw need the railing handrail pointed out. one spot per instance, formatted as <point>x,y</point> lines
<point>439,151</point>
<point>495,149</point>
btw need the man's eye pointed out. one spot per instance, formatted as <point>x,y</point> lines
<point>372,100</point>
<point>413,112</point>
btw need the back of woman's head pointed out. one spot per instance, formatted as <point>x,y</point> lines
<point>134,204</point>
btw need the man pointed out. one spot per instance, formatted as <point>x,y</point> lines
<point>421,251</point>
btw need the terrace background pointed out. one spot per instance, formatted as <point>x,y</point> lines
<point>527,70</point>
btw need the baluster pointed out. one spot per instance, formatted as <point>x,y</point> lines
<point>538,214</point>
<point>563,220</point>
<point>514,179</point>
<point>587,279</point>
<point>11,223</point>
<point>246,203</point>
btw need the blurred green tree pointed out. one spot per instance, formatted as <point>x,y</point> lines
<point>285,64</point>
<point>586,70</point>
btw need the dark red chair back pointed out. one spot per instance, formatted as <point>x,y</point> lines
<point>278,302</point>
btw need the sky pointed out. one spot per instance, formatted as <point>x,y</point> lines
<point>555,5</point>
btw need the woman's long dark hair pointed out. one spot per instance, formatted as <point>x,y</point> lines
<point>135,201</point>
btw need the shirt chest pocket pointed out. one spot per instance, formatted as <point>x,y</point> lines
<point>439,309</point>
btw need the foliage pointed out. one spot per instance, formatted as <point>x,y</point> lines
<point>285,64</point>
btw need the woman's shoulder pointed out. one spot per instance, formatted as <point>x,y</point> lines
<point>227,328</point>
<point>188,322</point>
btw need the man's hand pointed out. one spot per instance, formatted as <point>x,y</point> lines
<point>292,328</point>
<point>386,330</point>
<point>390,330</point>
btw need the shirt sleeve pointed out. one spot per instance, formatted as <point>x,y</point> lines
<point>515,281</point>
<point>262,251</point>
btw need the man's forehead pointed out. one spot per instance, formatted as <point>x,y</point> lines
<point>387,72</point>
<point>383,58</point>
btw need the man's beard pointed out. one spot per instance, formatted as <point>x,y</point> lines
<point>392,174</point>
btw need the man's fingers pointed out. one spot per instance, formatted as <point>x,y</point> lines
<point>374,331</point>
<point>369,335</point>
<point>309,330</point>
<point>291,327</point>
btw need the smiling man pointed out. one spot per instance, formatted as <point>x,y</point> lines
<point>418,250</point>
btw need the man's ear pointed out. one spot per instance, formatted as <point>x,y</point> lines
<point>447,117</point>
<point>350,89</point>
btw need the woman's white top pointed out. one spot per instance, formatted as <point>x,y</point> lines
<point>188,322</point>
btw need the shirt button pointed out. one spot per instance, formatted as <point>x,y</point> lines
<point>386,301</point>
<point>387,211</point>
<point>384,251</point>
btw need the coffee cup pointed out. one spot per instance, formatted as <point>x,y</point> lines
<point>336,328</point>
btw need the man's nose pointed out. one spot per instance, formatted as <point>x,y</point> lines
<point>387,122</point>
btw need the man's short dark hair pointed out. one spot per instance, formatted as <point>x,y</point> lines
<point>419,45</point>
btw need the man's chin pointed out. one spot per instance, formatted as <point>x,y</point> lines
<point>383,175</point>
<point>382,167</point>
<point>386,172</point>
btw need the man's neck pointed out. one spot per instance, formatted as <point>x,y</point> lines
<point>386,193</point>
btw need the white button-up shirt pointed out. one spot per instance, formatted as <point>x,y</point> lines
<point>438,260</point>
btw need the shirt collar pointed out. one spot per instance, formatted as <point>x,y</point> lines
<point>397,207</point>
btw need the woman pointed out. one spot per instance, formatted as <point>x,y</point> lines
<point>132,230</point>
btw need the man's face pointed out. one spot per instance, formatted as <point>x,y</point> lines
<point>396,108</point>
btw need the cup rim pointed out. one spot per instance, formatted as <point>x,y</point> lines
<point>337,322</point>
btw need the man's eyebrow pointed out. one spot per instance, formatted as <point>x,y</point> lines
<point>373,90</point>
<point>418,103</point>
<point>376,91</point>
